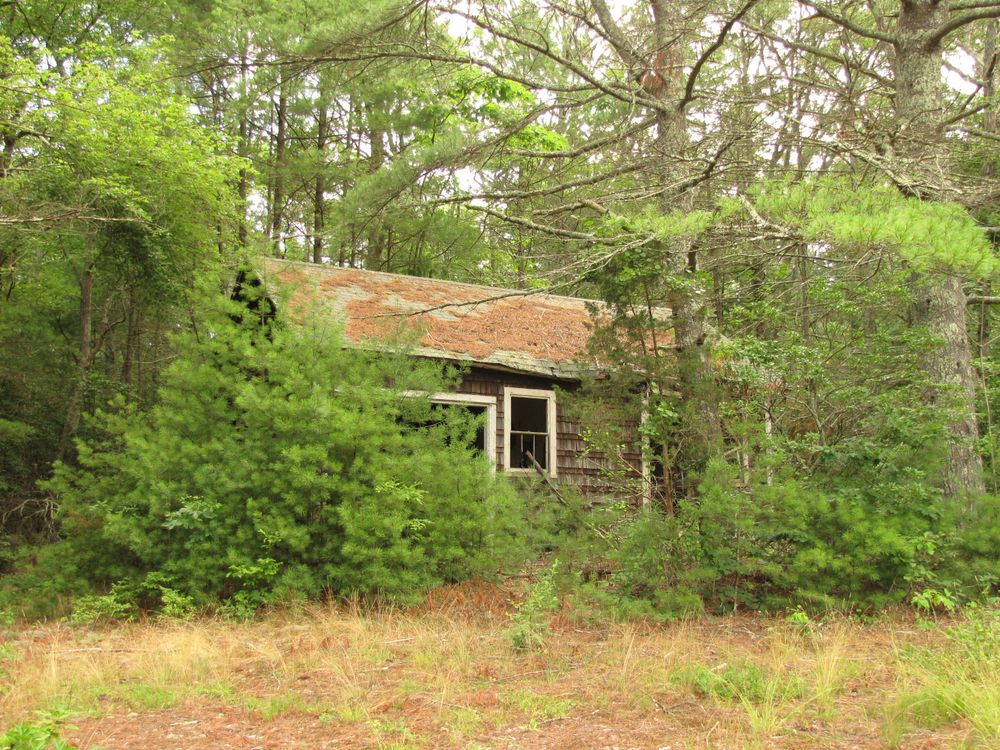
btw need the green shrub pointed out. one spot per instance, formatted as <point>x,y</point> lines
<point>782,543</point>
<point>530,623</point>
<point>90,610</point>
<point>176,606</point>
<point>276,467</point>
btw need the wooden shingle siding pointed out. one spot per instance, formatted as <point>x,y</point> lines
<point>574,464</point>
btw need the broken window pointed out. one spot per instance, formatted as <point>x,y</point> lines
<point>530,429</point>
<point>479,412</point>
<point>484,409</point>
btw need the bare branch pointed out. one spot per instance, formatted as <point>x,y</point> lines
<point>565,234</point>
<point>614,35</point>
<point>821,53</point>
<point>709,51</point>
<point>848,24</point>
<point>618,92</point>
<point>972,5</point>
<point>589,146</point>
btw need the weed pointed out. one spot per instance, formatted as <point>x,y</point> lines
<point>538,707</point>
<point>8,655</point>
<point>142,697</point>
<point>957,681</point>
<point>464,721</point>
<point>529,624</point>
<point>800,620</point>
<point>395,734</point>
<point>41,734</point>
<point>351,713</point>
<point>270,708</point>
<point>931,600</point>
<point>739,682</point>
<point>768,701</point>
<point>830,672</point>
<point>769,710</point>
<point>365,664</point>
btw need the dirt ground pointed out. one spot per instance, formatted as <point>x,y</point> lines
<point>446,676</point>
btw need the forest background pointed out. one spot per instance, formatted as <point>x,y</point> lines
<point>810,187</point>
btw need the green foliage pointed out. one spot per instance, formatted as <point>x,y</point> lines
<point>775,544</point>
<point>977,635</point>
<point>957,682</point>
<point>114,196</point>
<point>42,734</point>
<point>256,579</point>
<point>279,468</point>
<point>529,626</point>
<point>247,485</point>
<point>800,620</point>
<point>8,655</point>
<point>654,559</point>
<point>928,234</point>
<point>175,605</point>
<point>90,610</point>
<point>739,682</point>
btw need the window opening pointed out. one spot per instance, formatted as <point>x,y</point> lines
<point>478,441</point>
<point>529,432</point>
<point>483,410</point>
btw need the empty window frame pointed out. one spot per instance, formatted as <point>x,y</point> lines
<point>486,435</point>
<point>529,427</point>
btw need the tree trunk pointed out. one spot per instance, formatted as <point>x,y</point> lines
<point>244,148</point>
<point>85,358</point>
<point>660,74</point>
<point>132,334</point>
<point>280,151</point>
<point>319,192</point>
<point>941,300</point>
<point>941,307</point>
<point>701,423</point>
<point>375,239</point>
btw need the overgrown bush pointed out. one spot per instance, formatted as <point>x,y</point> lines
<point>780,542</point>
<point>273,466</point>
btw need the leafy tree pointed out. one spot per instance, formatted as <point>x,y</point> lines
<point>111,193</point>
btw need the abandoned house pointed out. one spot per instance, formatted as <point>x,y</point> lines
<point>515,349</point>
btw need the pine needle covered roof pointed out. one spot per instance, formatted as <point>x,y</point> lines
<point>542,334</point>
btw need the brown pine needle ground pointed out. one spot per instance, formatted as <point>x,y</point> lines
<point>446,676</point>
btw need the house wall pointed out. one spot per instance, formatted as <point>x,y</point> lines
<point>572,466</point>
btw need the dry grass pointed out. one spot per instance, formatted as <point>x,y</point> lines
<point>450,679</point>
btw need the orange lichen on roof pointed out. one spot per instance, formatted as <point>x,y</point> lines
<point>530,332</point>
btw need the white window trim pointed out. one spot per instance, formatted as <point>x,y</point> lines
<point>553,431</point>
<point>490,428</point>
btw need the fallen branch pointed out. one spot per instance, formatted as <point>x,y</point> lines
<point>559,496</point>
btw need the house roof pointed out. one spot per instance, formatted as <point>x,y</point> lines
<point>542,334</point>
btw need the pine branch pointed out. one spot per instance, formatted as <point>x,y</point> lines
<point>957,22</point>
